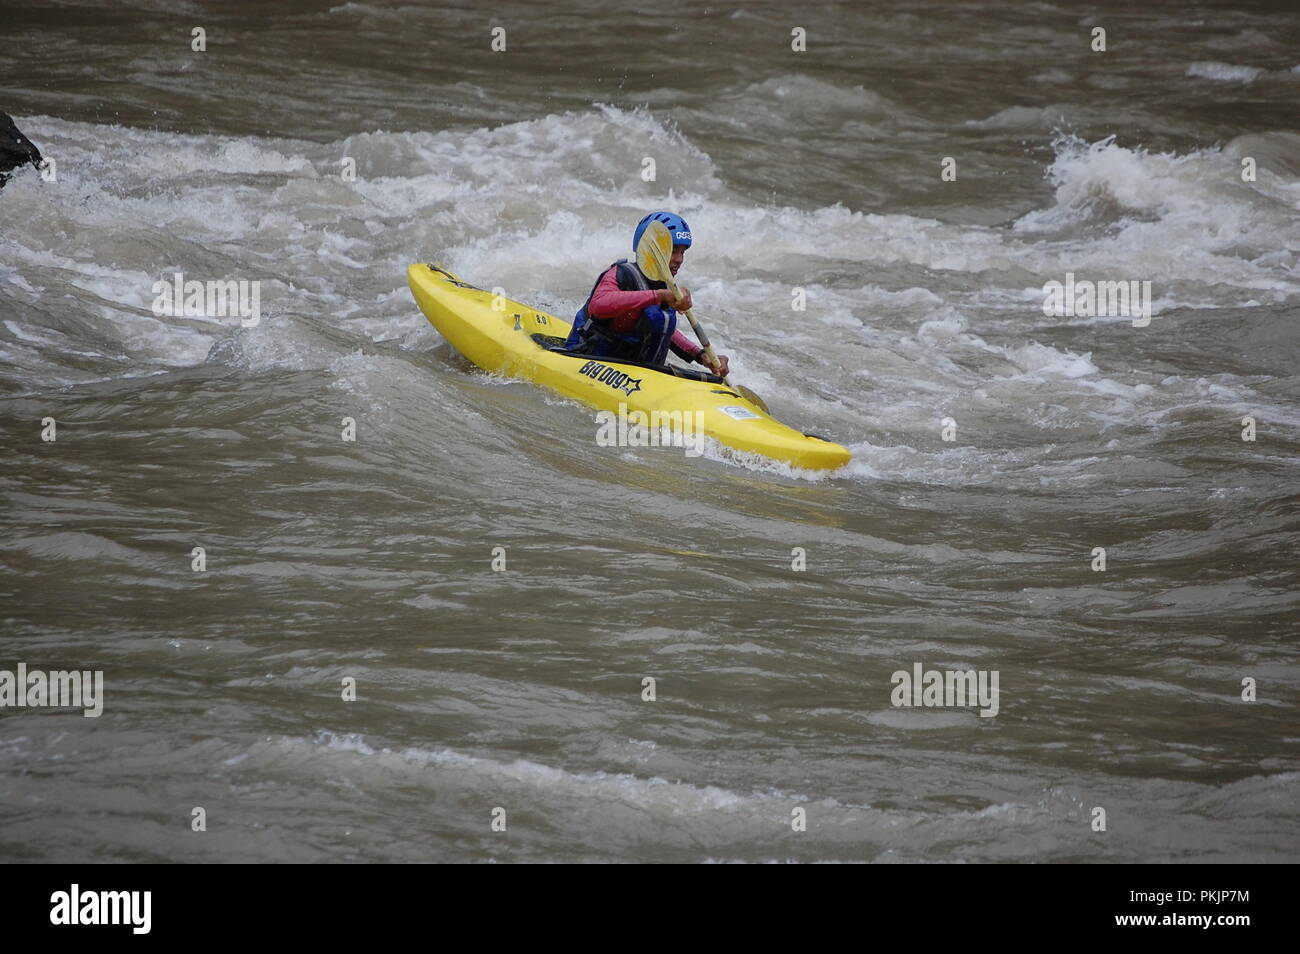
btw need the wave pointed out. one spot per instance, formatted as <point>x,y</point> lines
<point>901,308</point>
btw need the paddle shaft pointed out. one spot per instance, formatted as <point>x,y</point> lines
<point>656,252</point>
<point>667,274</point>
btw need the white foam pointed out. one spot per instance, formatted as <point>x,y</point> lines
<point>653,793</point>
<point>863,357</point>
<point>1225,72</point>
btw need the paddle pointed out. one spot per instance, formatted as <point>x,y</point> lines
<point>652,254</point>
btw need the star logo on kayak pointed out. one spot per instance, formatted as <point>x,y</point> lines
<point>616,379</point>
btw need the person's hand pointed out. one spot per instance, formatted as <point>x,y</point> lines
<point>723,367</point>
<point>681,302</point>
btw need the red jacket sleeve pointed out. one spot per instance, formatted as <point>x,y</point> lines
<point>609,301</point>
<point>684,347</point>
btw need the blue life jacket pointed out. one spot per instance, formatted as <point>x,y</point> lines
<point>595,336</point>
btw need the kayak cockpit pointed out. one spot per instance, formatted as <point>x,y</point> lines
<point>556,344</point>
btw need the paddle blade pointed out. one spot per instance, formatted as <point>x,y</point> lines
<point>654,252</point>
<point>750,395</point>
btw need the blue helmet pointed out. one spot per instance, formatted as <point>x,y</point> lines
<point>677,228</point>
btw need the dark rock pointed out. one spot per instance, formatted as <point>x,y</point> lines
<point>15,148</point>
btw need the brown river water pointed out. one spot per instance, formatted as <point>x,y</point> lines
<point>771,607</point>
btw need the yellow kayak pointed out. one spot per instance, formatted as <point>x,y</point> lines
<point>520,342</point>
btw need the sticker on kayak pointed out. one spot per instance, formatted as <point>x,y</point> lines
<point>616,379</point>
<point>739,413</point>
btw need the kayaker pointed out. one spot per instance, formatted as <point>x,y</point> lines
<point>628,316</point>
